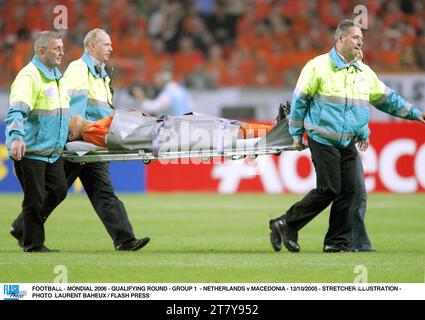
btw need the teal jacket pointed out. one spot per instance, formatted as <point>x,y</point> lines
<point>332,98</point>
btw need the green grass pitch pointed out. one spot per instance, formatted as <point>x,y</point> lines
<point>216,239</point>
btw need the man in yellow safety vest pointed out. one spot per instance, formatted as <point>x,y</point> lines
<point>36,132</point>
<point>88,86</point>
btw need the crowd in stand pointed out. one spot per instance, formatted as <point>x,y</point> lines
<point>213,43</point>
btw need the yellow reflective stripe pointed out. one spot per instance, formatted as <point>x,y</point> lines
<point>43,152</point>
<point>341,100</point>
<point>296,123</point>
<point>78,92</point>
<point>328,134</point>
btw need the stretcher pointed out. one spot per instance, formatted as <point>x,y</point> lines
<point>83,152</point>
<point>132,138</point>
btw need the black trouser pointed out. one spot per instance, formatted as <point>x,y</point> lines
<point>42,183</point>
<point>335,173</point>
<point>359,238</point>
<point>97,184</point>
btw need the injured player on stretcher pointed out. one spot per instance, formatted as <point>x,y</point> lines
<point>135,130</point>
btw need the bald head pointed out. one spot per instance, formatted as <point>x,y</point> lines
<point>98,44</point>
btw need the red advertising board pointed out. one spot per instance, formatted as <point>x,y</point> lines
<point>394,162</point>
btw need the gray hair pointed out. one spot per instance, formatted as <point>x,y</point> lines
<point>343,27</point>
<point>42,39</point>
<point>91,37</point>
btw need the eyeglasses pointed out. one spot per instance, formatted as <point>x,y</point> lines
<point>57,49</point>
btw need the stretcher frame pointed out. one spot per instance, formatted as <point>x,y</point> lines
<point>103,155</point>
<point>273,143</point>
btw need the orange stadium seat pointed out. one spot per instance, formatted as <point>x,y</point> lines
<point>252,30</point>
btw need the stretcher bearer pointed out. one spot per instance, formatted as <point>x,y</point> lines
<point>88,83</point>
<point>88,86</point>
<point>36,132</point>
<point>330,103</point>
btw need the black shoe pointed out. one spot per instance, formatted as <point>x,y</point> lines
<point>287,236</point>
<point>43,249</point>
<point>337,248</point>
<point>275,238</point>
<point>17,235</point>
<point>133,245</point>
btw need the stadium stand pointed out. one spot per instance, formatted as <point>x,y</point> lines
<point>213,43</point>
